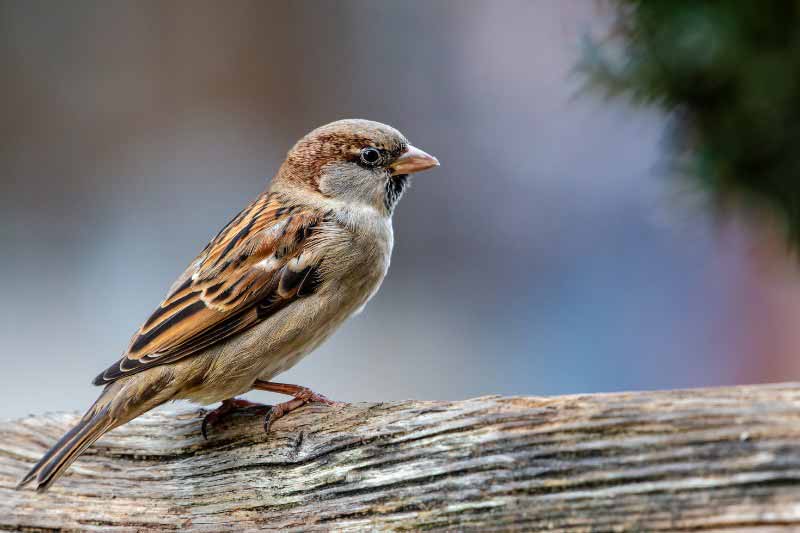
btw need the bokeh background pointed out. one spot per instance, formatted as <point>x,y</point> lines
<point>549,254</point>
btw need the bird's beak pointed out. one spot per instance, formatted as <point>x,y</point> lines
<point>413,160</point>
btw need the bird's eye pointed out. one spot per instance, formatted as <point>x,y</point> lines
<point>370,156</point>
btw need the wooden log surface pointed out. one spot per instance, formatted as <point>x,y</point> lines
<point>723,459</point>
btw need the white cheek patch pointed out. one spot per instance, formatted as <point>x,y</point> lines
<point>349,182</point>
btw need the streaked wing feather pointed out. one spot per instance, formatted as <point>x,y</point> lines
<point>259,263</point>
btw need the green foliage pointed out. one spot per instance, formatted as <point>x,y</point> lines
<point>728,71</point>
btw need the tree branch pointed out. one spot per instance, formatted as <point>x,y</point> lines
<point>709,459</point>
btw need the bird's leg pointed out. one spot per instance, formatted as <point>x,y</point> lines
<point>299,392</point>
<point>302,396</point>
<point>229,405</point>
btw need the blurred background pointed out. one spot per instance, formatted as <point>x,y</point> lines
<point>552,252</point>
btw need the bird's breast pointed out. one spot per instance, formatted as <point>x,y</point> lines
<point>352,270</point>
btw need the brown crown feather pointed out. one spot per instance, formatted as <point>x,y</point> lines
<point>338,141</point>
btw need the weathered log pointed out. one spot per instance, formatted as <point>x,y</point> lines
<point>714,459</point>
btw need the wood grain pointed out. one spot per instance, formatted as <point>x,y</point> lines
<point>713,460</point>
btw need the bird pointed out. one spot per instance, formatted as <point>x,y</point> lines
<point>275,282</point>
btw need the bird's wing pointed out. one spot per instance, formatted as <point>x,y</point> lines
<point>264,259</point>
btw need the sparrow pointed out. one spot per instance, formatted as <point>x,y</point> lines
<point>275,282</point>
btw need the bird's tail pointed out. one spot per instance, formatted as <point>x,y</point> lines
<point>91,427</point>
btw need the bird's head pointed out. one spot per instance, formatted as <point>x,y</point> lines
<point>355,161</point>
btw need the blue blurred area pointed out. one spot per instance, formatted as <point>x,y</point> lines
<point>547,255</point>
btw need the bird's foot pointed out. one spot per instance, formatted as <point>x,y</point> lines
<point>228,406</point>
<point>302,396</point>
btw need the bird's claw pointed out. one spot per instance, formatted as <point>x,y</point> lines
<point>303,397</point>
<point>228,406</point>
<point>309,396</point>
<point>274,413</point>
